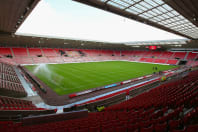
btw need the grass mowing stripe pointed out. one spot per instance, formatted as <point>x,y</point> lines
<point>75,77</point>
<point>90,82</point>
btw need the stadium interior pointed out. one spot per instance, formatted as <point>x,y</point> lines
<point>164,101</point>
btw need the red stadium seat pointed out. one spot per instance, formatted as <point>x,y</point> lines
<point>161,127</point>
<point>192,128</point>
<point>174,124</point>
<point>148,129</point>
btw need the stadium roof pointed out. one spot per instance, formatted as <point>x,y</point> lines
<point>159,42</point>
<point>176,16</point>
<point>13,13</point>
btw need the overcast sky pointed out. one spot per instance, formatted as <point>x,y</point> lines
<point>69,19</point>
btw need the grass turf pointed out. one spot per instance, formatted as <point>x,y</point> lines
<point>75,77</point>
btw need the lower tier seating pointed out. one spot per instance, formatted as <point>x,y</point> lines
<point>171,107</point>
<point>40,60</point>
<point>12,89</point>
<point>7,103</point>
<point>10,85</point>
<point>23,60</point>
<point>10,78</point>
<point>6,68</point>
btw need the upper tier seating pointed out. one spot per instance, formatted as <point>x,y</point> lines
<point>166,55</point>
<point>58,52</point>
<point>18,52</point>
<point>117,53</point>
<point>180,55</point>
<point>156,54</point>
<point>148,54</point>
<point>5,51</point>
<point>49,55</point>
<point>106,52</point>
<point>192,56</point>
<point>127,53</point>
<point>49,52</point>
<point>34,52</point>
<point>138,53</point>
<point>91,52</point>
<point>72,53</point>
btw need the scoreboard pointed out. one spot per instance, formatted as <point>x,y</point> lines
<point>153,47</point>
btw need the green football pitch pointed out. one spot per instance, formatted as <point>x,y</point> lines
<point>75,77</point>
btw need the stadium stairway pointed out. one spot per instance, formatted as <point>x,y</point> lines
<point>27,85</point>
<point>12,52</point>
<point>186,56</point>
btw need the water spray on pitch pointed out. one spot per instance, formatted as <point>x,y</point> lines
<point>51,76</point>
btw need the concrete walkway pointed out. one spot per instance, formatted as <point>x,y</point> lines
<point>26,85</point>
<point>60,108</point>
